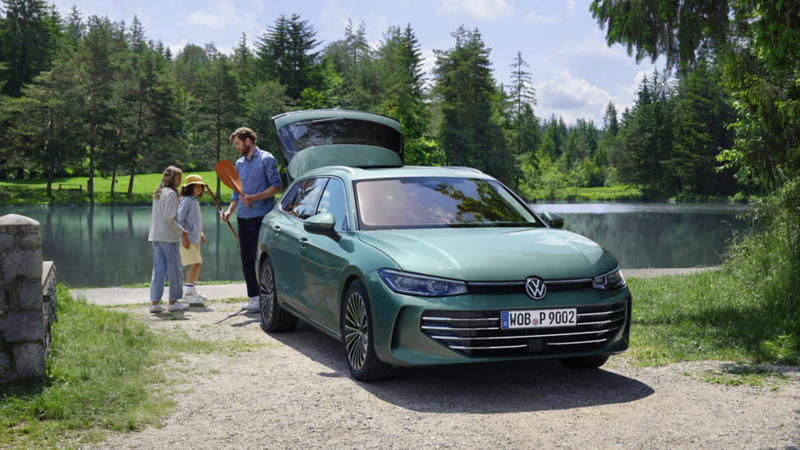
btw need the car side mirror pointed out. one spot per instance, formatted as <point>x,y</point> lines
<point>553,220</point>
<point>321,224</point>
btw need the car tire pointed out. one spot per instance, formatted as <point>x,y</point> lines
<point>584,362</point>
<point>274,319</point>
<point>358,337</point>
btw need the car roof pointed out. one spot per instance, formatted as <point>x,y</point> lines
<point>355,173</point>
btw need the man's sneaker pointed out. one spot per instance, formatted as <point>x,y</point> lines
<point>252,305</point>
<point>177,306</point>
<point>157,308</point>
<point>193,299</point>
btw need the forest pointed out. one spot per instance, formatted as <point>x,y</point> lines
<point>85,96</point>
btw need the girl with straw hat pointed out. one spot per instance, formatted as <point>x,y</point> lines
<point>190,220</point>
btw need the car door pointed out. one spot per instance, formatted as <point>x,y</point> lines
<point>289,239</point>
<point>324,258</point>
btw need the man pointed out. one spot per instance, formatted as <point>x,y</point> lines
<point>258,171</point>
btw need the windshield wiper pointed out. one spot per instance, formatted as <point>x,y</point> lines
<point>494,225</point>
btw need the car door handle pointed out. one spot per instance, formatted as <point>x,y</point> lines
<point>303,242</point>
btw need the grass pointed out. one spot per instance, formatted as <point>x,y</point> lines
<point>709,316</point>
<point>613,193</point>
<point>34,191</point>
<point>104,374</point>
<point>739,375</point>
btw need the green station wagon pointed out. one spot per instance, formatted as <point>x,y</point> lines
<point>426,265</point>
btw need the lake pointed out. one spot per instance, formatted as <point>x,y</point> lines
<point>107,246</point>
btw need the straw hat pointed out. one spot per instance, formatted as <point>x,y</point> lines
<point>193,179</point>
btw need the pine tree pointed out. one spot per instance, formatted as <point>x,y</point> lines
<point>610,123</point>
<point>469,99</point>
<point>136,39</point>
<point>522,94</point>
<point>27,42</point>
<point>243,61</point>
<point>76,28</point>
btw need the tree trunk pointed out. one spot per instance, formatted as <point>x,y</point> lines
<point>218,133</point>
<point>90,183</point>
<point>20,173</point>
<point>130,183</point>
<point>113,176</point>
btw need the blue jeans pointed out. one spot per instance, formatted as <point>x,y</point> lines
<point>166,262</point>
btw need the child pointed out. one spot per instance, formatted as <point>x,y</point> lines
<point>165,233</point>
<point>190,220</point>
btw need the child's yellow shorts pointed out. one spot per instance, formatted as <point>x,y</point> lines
<point>191,255</point>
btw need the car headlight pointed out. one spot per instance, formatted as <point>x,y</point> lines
<point>613,280</point>
<point>412,284</point>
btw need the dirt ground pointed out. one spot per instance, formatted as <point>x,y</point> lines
<point>296,393</point>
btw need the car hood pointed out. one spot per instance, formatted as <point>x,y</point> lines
<point>493,254</point>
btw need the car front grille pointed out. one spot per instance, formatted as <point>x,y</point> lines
<point>478,333</point>
<point>518,287</point>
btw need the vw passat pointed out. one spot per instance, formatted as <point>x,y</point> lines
<point>419,265</point>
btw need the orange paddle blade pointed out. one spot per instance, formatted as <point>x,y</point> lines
<point>229,177</point>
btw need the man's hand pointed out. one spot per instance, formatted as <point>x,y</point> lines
<point>225,216</point>
<point>202,238</point>
<point>246,199</point>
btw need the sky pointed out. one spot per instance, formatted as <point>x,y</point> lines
<point>574,72</point>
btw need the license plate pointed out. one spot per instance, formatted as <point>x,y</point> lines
<point>539,318</point>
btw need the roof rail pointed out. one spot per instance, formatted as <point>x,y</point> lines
<point>468,169</point>
<point>342,168</point>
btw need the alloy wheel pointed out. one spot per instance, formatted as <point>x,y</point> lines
<point>356,330</point>
<point>267,296</point>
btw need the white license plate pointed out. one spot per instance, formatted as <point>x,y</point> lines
<point>538,318</point>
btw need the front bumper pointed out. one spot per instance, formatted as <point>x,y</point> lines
<point>411,330</point>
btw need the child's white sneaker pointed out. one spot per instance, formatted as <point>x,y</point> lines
<point>157,308</point>
<point>193,299</point>
<point>177,306</point>
<point>194,291</point>
<point>252,305</point>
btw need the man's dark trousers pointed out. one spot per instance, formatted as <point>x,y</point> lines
<point>248,248</point>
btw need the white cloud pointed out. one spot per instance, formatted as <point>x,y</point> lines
<point>488,10</point>
<point>533,17</point>
<point>175,48</point>
<point>220,15</point>
<point>591,45</point>
<point>575,98</point>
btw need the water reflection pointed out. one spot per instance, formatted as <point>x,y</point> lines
<point>655,235</point>
<point>92,247</point>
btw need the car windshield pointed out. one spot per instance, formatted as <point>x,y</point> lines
<point>336,131</point>
<point>437,202</point>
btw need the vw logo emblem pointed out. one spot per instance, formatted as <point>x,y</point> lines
<point>535,288</point>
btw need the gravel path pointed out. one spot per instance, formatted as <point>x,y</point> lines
<point>130,296</point>
<point>296,393</point>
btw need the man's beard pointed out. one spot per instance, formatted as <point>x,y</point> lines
<point>246,150</point>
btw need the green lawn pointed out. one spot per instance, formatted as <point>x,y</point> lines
<point>711,315</point>
<point>590,194</point>
<point>104,374</point>
<point>33,192</point>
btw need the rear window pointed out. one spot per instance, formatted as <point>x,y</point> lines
<point>312,133</point>
<point>437,202</point>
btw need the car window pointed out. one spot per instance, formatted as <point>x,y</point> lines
<point>304,203</point>
<point>334,201</point>
<point>288,198</point>
<point>433,202</point>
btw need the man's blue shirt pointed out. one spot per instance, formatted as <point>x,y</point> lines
<point>257,173</point>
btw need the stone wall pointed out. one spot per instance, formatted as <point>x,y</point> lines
<point>22,319</point>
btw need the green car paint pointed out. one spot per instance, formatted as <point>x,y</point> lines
<point>314,267</point>
<point>344,155</point>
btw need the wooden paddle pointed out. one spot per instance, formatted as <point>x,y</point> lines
<point>219,210</point>
<point>229,177</point>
